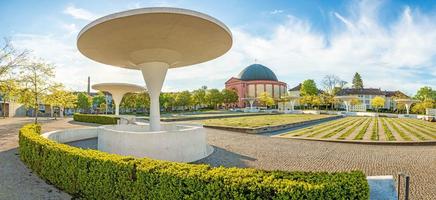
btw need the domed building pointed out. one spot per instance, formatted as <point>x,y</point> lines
<point>254,80</point>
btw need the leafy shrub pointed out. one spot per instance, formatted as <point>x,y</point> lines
<point>91,174</point>
<point>98,119</point>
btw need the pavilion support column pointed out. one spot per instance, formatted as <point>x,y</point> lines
<point>117,97</point>
<point>347,105</point>
<point>407,107</point>
<point>292,105</point>
<point>154,75</point>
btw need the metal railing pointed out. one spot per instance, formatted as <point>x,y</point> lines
<point>406,185</point>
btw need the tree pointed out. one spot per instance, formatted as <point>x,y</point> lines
<point>357,81</point>
<point>308,87</point>
<point>10,58</point>
<point>8,90</point>
<point>378,102</point>
<point>356,101</point>
<point>84,101</point>
<point>99,99</point>
<point>60,98</point>
<point>183,99</point>
<point>199,97</point>
<point>422,106</point>
<point>229,96</point>
<point>332,83</point>
<point>214,97</point>
<point>167,100</point>
<point>332,86</point>
<point>426,93</point>
<point>266,99</point>
<point>37,78</point>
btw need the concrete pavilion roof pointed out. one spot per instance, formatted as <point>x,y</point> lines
<point>175,36</point>
<point>125,87</point>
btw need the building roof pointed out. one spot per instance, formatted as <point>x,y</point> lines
<point>369,91</point>
<point>296,88</point>
<point>257,72</point>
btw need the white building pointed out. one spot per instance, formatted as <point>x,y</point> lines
<point>366,95</point>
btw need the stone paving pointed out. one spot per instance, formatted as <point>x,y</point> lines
<point>244,150</point>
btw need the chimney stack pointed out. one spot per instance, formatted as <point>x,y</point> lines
<point>89,85</point>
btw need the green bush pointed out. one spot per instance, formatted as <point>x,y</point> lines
<point>91,174</point>
<point>98,119</point>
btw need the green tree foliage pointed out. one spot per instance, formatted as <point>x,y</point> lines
<point>167,100</point>
<point>60,98</point>
<point>199,97</point>
<point>265,99</point>
<point>308,87</point>
<point>183,99</point>
<point>426,93</point>
<point>135,101</point>
<point>36,78</point>
<point>9,89</point>
<point>378,102</point>
<point>420,107</point>
<point>98,99</point>
<point>357,81</point>
<point>84,101</point>
<point>229,96</point>
<point>214,97</point>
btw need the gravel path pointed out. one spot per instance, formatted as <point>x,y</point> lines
<point>244,150</point>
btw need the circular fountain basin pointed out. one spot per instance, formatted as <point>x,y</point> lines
<point>180,143</point>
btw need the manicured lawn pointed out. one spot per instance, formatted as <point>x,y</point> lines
<point>369,129</point>
<point>262,121</point>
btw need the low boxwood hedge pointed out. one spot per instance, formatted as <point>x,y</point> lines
<point>92,174</point>
<point>98,119</point>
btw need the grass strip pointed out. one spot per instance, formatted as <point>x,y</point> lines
<point>399,131</point>
<point>316,133</point>
<point>352,129</point>
<point>375,135</point>
<point>363,130</point>
<point>424,125</point>
<point>336,131</point>
<point>407,128</point>
<point>388,132</point>
<point>422,129</point>
<point>317,127</point>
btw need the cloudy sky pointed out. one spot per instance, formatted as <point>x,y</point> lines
<point>392,44</point>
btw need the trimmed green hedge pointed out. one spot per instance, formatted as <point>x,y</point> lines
<point>92,174</point>
<point>98,119</point>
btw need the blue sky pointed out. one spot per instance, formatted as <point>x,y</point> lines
<point>391,43</point>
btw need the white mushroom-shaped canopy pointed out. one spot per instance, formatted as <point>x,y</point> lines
<point>117,90</point>
<point>408,101</point>
<point>175,36</point>
<point>125,87</point>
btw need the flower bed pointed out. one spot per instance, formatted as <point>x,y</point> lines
<point>92,174</point>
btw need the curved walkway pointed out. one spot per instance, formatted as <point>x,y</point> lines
<point>244,150</point>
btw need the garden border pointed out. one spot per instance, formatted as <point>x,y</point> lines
<point>396,142</point>
<point>92,174</point>
<point>268,129</point>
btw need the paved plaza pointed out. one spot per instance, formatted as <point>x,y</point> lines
<point>243,150</point>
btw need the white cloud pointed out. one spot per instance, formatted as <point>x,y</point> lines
<point>79,13</point>
<point>392,57</point>
<point>275,12</point>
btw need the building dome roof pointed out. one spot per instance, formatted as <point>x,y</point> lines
<point>257,72</point>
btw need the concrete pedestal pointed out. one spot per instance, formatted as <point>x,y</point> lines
<point>179,143</point>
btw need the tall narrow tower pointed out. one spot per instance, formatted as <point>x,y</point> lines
<point>89,85</point>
